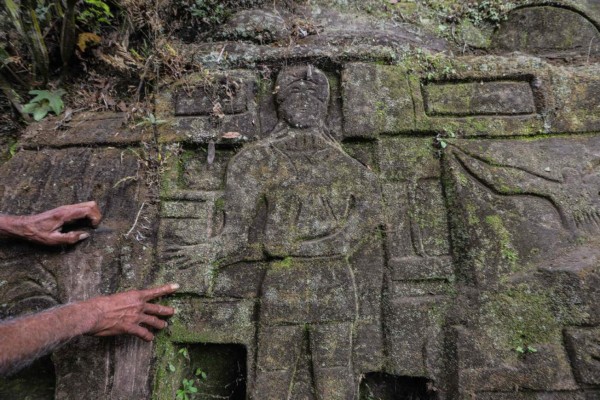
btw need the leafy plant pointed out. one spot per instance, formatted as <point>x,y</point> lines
<point>96,12</point>
<point>44,102</point>
<point>211,12</point>
<point>27,25</point>
<point>186,390</point>
<point>153,121</point>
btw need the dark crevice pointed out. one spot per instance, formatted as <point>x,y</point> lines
<point>383,386</point>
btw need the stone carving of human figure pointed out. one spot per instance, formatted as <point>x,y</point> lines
<point>297,200</point>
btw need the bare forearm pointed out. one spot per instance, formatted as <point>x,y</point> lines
<point>24,339</point>
<point>10,226</point>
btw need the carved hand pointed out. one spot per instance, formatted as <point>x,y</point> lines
<point>45,228</point>
<point>130,312</point>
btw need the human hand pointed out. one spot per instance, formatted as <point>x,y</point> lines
<point>45,228</point>
<point>123,313</point>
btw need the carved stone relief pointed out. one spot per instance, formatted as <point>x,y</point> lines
<point>351,226</point>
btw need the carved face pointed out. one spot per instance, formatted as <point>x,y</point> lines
<point>303,96</point>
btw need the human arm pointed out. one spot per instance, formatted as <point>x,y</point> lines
<point>246,175</point>
<point>45,228</point>
<point>24,339</point>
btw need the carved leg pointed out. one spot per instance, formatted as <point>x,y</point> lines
<point>331,347</point>
<point>279,348</point>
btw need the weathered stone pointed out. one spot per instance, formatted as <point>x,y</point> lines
<point>212,321</point>
<point>471,104</point>
<point>88,128</point>
<point>407,159</point>
<point>584,350</point>
<point>203,108</point>
<point>386,386</point>
<point>221,369</point>
<point>413,335</point>
<point>231,94</point>
<point>256,25</point>
<point>576,100</point>
<point>205,129</point>
<point>549,32</point>
<point>416,219</point>
<point>309,218</point>
<point>479,98</point>
<point>391,222</point>
<point>243,280</point>
<point>538,373</point>
<point>421,268</point>
<point>376,99</point>
<point>574,276</point>
<point>35,278</point>
<point>518,395</point>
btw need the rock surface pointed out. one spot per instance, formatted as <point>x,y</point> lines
<point>361,213</point>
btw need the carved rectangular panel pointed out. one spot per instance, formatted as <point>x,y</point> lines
<point>376,99</point>
<point>230,95</point>
<point>503,97</point>
<point>202,108</point>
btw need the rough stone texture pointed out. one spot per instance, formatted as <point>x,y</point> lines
<point>350,217</point>
<point>390,110</point>
<point>255,25</point>
<point>583,344</point>
<point>548,31</point>
<point>102,128</point>
<point>35,278</point>
<point>479,98</point>
<point>200,109</point>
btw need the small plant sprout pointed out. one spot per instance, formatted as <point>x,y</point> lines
<point>184,353</point>
<point>151,120</point>
<point>439,142</point>
<point>186,390</point>
<point>200,373</point>
<point>525,349</point>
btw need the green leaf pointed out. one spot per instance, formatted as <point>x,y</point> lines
<point>40,112</point>
<point>13,149</point>
<point>53,97</point>
<point>101,5</point>
<point>183,352</point>
<point>15,17</point>
<point>29,108</point>
<point>44,102</point>
<point>200,373</point>
<point>171,367</point>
